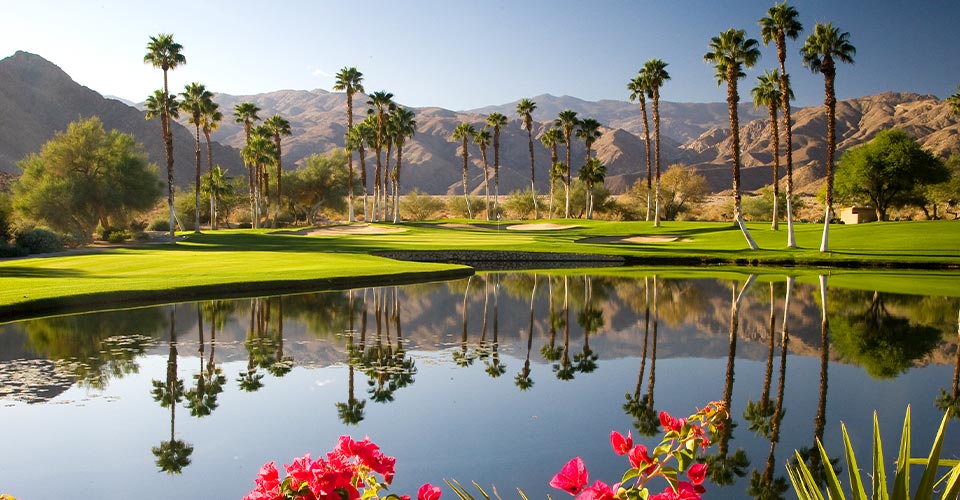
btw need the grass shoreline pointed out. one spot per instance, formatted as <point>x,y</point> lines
<point>240,263</point>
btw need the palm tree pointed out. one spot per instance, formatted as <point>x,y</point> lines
<point>482,139</point>
<point>768,93</point>
<point>954,101</point>
<point>357,137</point>
<point>566,121</point>
<point>279,126</point>
<point>551,139</point>
<point>729,53</point>
<point>525,109</point>
<point>209,121</point>
<point>588,130</point>
<point>823,48</point>
<point>655,71</point>
<point>781,23</point>
<point>260,150</point>
<point>404,126</point>
<point>159,105</point>
<point>350,81</point>
<point>245,113</point>
<point>639,89</point>
<point>590,175</point>
<point>164,53</point>
<point>462,133</point>
<point>382,103</point>
<point>194,99</point>
<point>497,121</point>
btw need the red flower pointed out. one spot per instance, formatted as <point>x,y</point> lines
<point>268,484</point>
<point>685,491</point>
<point>429,492</point>
<point>671,424</point>
<point>639,458</point>
<point>696,473</point>
<point>599,491</point>
<point>621,445</point>
<point>572,478</point>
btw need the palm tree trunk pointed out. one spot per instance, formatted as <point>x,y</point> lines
<point>486,180</point>
<point>732,99</point>
<point>168,149</point>
<point>276,210</point>
<point>533,187</point>
<point>466,199</point>
<point>496,173</point>
<point>788,133</point>
<point>213,191</point>
<point>656,137</point>
<point>196,185</point>
<point>396,186</point>
<point>830,101</point>
<point>646,140</point>
<point>566,181</point>
<point>351,217</point>
<point>775,146</point>
<point>363,180</point>
<point>376,185</point>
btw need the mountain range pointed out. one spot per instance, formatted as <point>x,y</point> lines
<point>38,99</point>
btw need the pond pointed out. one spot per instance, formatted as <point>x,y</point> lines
<point>500,379</point>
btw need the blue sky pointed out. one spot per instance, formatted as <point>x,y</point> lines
<point>462,55</point>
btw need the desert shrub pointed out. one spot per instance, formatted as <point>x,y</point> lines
<point>7,250</point>
<point>119,236</point>
<point>162,225</point>
<point>458,207</point>
<point>39,240</point>
<point>417,205</point>
<point>5,217</point>
<point>520,205</point>
<point>138,226</point>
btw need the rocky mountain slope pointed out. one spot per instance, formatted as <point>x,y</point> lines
<point>37,99</point>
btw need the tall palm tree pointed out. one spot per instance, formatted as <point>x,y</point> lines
<point>730,51</point>
<point>768,94</point>
<point>639,89</point>
<point>404,126</point>
<point>482,139</point>
<point>551,139</point>
<point>210,120</point>
<point>525,109</point>
<point>566,121</point>
<point>463,133</point>
<point>245,113</point>
<point>350,81</point>
<point>781,23</point>
<point>592,173</point>
<point>278,126</point>
<point>164,53</point>
<point>260,150</point>
<point>656,74</point>
<point>357,137</point>
<point>381,103</point>
<point>823,48</point>
<point>497,121</point>
<point>193,100</point>
<point>159,105</point>
<point>588,130</point>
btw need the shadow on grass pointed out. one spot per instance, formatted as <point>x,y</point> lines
<point>33,272</point>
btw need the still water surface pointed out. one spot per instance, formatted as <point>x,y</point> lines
<point>500,379</point>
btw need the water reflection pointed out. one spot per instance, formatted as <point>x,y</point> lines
<point>549,332</point>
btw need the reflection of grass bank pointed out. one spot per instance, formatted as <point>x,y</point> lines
<point>257,262</point>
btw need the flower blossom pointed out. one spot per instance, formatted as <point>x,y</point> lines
<point>267,484</point>
<point>599,491</point>
<point>696,473</point>
<point>572,478</point>
<point>685,491</point>
<point>429,492</point>
<point>671,424</point>
<point>621,445</point>
<point>640,459</point>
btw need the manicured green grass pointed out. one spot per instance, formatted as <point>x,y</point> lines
<point>264,261</point>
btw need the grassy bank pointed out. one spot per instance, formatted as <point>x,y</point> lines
<point>251,262</point>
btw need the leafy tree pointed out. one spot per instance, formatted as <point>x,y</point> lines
<point>655,73</point>
<point>639,89</point>
<point>194,99</point>
<point>521,204</point>
<point>781,23</point>
<point>945,193</point>
<point>463,133</point>
<point>823,48</point>
<point>525,109</point>
<point>730,52</point>
<point>566,121</point>
<point>320,184</point>
<point>681,188</point>
<point>84,177</point>
<point>164,53</point>
<point>6,210</point>
<point>350,81</point>
<point>886,171</point>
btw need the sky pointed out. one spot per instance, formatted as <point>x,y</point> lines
<point>463,55</point>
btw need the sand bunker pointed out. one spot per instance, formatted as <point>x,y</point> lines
<point>538,227</point>
<point>652,238</point>
<point>352,229</point>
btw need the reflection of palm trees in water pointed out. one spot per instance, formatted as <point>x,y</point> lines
<point>764,485</point>
<point>463,357</point>
<point>387,369</point>
<point>281,364</point>
<point>202,399</point>
<point>723,467</point>
<point>564,370</point>
<point>951,401</point>
<point>550,351</point>
<point>645,418</point>
<point>523,380</point>
<point>495,367</point>
<point>251,380</point>
<point>173,455</point>
<point>760,413</point>
<point>590,319</point>
<point>350,411</point>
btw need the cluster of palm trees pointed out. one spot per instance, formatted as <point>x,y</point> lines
<point>386,127</point>
<point>646,84</point>
<point>263,149</point>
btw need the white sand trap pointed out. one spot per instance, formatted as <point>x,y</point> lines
<point>456,225</point>
<point>539,227</point>
<point>652,238</point>
<point>354,229</point>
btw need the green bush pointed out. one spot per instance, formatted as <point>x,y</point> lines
<point>519,205</point>
<point>40,240</point>
<point>162,225</point>
<point>11,251</point>
<point>119,236</point>
<point>458,207</point>
<point>417,205</point>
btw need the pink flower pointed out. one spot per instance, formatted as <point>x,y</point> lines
<point>303,468</point>
<point>639,458</point>
<point>268,484</point>
<point>621,445</point>
<point>671,424</point>
<point>572,478</point>
<point>696,473</point>
<point>429,492</point>
<point>685,491</point>
<point>599,491</point>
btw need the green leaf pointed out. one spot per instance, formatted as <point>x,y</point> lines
<point>458,489</point>
<point>901,483</point>
<point>630,474</point>
<point>523,496</point>
<point>952,489</point>
<point>484,493</point>
<point>929,477</point>
<point>661,450</point>
<point>803,482</point>
<point>833,483</point>
<point>879,471</point>
<point>853,471</point>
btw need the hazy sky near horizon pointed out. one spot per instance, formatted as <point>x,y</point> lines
<point>463,55</point>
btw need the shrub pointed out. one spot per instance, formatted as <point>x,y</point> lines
<point>119,236</point>
<point>11,251</point>
<point>520,205</point>
<point>458,207</point>
<point>162,225</point>
<point>417,205</point>
<point>40,240</point>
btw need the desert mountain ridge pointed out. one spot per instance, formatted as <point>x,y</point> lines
<point>37,99</point>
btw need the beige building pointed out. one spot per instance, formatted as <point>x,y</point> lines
<point>858,215</point>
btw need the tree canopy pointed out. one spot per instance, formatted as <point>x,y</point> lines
<point>84,177</point>
<point>887,172</point>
